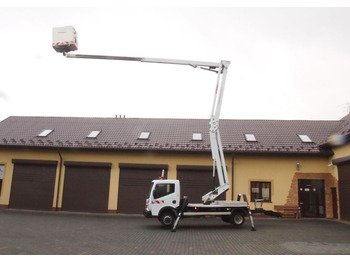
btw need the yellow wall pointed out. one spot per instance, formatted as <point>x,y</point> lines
<point>279,170</point>
<point>341,151</point>
<point>172,160</point>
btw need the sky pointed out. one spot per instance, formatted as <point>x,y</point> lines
<point>286,62</point>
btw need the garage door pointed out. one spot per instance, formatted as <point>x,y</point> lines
<point>344,191</point>
<point>33,184</point>
<point>196,181</point>
<point>86,187</point>
<point>134,185</point>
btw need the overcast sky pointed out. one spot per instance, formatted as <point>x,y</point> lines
<point>286,63</point>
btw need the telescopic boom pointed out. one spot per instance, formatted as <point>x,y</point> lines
<point>65,40</point>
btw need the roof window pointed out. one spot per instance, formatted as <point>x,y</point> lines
<point>94,134</point>
<point>45,132</point>
<point>144,135</point>
<point>250,138</point>
<point>305,138</point>
<point>197,136</point>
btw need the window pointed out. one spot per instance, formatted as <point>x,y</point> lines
<point>45,132</point>
<point>197,136</point>
<point>162,190</point>
<point>2,168</point>
<point>144,135</point>
<point>250,138</point>
<point>260,190</point>
<point>305,138</point>
<point>94,134</point>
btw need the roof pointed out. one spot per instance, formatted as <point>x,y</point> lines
<point>272,136</point>
<point>344,126</point>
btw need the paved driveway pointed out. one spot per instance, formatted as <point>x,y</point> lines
<point>27,232</point>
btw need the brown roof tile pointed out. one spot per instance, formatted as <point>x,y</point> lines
<point>273,136</point>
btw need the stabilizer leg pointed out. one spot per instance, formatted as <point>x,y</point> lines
<point>249,213</point>
<point>184,205</point>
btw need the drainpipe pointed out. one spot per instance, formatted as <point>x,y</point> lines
<point>59,179</point>
<point>232,176</point>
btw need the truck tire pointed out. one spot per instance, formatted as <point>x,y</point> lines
<point>167,218</point>
<point>237,219</point>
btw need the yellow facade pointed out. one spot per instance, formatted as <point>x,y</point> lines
<point>172,160</point>
<point>281,170</point>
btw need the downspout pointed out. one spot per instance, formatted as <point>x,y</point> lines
<point>232,176</point>
<point>59,179</point>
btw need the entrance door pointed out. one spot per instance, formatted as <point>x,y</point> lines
<point>344,191</point>
<point>311,198</point>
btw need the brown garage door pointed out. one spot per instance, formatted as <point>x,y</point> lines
<point>134,185</point>
<point>344,191</point>
<point>33,184</point>
<point>86,187</point>
<point>196,181</point>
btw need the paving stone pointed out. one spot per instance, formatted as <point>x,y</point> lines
<point>51,233</point>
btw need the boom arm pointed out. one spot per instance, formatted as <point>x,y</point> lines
<point>215,140</point>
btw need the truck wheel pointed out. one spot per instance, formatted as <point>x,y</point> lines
<point>237,219</point>
<point>167,219</point>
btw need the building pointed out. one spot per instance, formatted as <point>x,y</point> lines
<point>107,164</point>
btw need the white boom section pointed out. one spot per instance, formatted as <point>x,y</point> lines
<point>210,65</point>
<point>215,140</point>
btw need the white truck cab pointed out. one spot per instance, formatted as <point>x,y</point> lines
<point>163,200</point>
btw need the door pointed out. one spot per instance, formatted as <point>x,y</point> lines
<point>311,198</point>
<point>134,185</point>
<point>344,191</point>
<point>334,202</point>
<point>86,187</point>
<point>33,184</point>
<point>196,181</point>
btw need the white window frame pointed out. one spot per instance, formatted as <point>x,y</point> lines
<point>250,138</point>
<point>305,138</point>
<point>144,135</point>
<point>94,134</point>
<point>45,132</point>
<point>197,137</point>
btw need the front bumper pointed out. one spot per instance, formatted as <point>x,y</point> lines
<point>147,214</point>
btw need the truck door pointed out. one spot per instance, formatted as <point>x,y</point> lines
<point>163,195</point>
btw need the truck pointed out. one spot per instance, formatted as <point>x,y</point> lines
<point>164,200</point>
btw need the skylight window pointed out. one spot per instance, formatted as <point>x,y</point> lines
<point>197,136</point>
<point>94,134</point>
<point>144,135</point>
<point>250,138</point>
<point>305,138</point>
<point>45,132</point>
